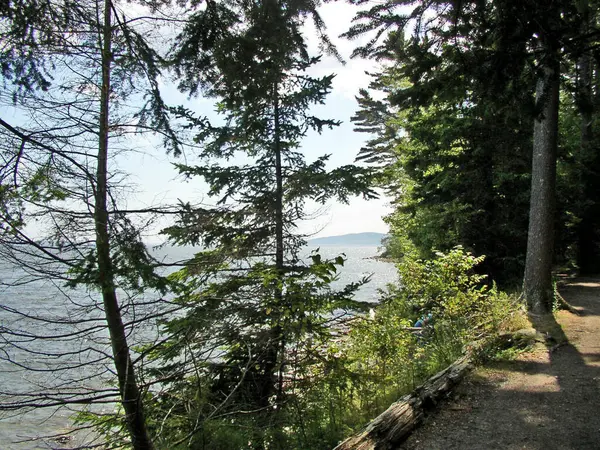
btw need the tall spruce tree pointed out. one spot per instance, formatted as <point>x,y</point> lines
<point>249,294</point>
<point>458,176</point>
<point>586,157</point>
<point>537,281</point>
<point>453,150</point>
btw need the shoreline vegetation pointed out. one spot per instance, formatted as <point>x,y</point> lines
<point>367,363</point>
<point>504,337</point>
<point>385,259</point>
<point>378,358</point>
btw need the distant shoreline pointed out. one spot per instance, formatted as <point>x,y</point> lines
<point>368,239</point>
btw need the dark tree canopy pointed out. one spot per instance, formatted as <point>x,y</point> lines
<point>460,81</point>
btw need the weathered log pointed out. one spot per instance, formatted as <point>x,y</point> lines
<point>519,339</point>
<point>395,424</point>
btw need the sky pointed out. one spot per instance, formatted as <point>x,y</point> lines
<point>157,180</point>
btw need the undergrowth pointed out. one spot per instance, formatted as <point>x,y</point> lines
<point>378,358</point>
<point>384,357</point>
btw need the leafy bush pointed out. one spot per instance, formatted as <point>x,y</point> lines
<point>384,357</point>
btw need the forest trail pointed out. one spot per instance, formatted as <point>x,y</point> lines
<point>545,399</point>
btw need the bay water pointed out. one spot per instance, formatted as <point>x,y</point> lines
<point>65,308</point>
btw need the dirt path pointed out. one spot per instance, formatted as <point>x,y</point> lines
<point>543,400</point>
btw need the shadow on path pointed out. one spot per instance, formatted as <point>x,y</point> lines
<point>543,400</point>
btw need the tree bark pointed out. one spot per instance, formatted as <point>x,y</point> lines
<point>537,283</point>
<point>272,380</point>
<point>279,253</point>
<point>128,388</point>
<point>396,423</point>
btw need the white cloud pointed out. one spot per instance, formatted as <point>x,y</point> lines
<point>351,76</point>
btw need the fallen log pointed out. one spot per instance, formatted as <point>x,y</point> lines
<point>395,424</point>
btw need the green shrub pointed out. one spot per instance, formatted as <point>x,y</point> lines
<point>384,357</point>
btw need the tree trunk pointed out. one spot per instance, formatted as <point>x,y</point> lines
<point>537,283</point>
<point>128,388</point>
<point>279,253</point>
<point>587,239</point>
<point>395,424</point>
<point>271,382</point>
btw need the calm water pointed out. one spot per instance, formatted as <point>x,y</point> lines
<point>54,302</point>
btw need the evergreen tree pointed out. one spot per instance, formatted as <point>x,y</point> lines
<point>454,150</point>
<point>472,56</point>
<point>587,157</point>
<point>249,294</point>
<point>538,289</point>
<point>30,29</point>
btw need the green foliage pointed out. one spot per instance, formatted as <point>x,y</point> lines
<point>455,159</point>
<point>453,134</point>
<point>77,72</point>
<point>461,307</point>
<point>458,175</point>
<point>111,425</point>
<point>376,359</point>
<point>444,286</point>
<point>261,352</point>
<point>373,360</point>
<point>29,29</point>
<point>578,191</point>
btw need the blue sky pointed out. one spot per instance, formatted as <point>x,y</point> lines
<point>157,181</point>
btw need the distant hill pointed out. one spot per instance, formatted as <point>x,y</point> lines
<point>350,240</point>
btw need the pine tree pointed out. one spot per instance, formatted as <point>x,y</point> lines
<point>469,55</point>
<point>249,293</point>
<point>453,150</point>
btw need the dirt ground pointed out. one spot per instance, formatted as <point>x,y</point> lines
<point>542,400</point>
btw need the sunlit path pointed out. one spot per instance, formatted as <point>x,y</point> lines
<point>547,399</point>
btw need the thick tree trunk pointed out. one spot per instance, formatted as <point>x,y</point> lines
<point>128,388</point>
<point>537,283</point>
